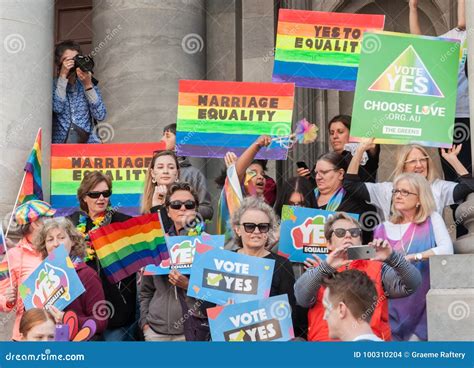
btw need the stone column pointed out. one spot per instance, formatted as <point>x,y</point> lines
<point>142,49</point>
<point>26,59</point>
<point>223,63</point>
<point>450,301</point>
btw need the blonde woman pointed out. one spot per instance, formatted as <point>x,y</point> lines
<point>417,231</point>
<point>412,159</point>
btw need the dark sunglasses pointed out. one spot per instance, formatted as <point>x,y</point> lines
<point>250,227</point>
<point>176,205</point>
<point>95,195</point>
<point>340,233</point>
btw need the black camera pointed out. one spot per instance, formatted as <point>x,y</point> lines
<point>85,63</point>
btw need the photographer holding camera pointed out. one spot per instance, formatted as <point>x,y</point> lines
<point>77,102</point>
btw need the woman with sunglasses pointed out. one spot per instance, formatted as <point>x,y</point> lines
<point>412,159</point>
<point>418,232</point>
<point>255,227</point>
<point>393,275</point>
<point>61,231</point>
<point>163,299</point>
<point>94,200</point>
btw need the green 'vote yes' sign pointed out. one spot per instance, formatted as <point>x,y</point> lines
<point>406,89</point>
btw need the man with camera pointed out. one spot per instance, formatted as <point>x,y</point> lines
<point>77,102</point>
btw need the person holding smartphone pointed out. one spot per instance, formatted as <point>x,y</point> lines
<point>96,211</point>
<point>392,274</point>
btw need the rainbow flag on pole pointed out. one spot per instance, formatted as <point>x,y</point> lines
<point>32,188</point>
<point>125,247</point>
<point>229,201</point>
<point>4,269</point>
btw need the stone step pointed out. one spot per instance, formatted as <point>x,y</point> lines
<point>450,314</point>
<point>453,271</point>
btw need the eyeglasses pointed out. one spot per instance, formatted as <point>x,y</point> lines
<point>402,192</point>
<point>324,172</point>
<point>95,195</point>
<point>340,232</point>
<point>422,161</point>
<point>250,227</point>
<point>176,205</point>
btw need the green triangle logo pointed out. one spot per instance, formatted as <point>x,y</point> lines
<point>407,74</point>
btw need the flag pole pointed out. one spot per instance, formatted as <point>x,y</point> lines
<point>21,185</point>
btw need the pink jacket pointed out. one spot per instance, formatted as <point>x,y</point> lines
<point>24,259</point>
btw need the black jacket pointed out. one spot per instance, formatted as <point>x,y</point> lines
<point>123,295</point>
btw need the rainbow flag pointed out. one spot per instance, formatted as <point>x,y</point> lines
<point>321,50</point>
<point>4,270</point>
<point>125,247</point>
<point>32,188</point>
<point>216,117</point>
<point>229,201</point>
<point>126,163</point>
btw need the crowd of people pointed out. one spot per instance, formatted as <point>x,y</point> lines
<point>377,299</point>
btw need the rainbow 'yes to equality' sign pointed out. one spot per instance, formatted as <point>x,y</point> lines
<point>320,50</point>
<point>258,320</point>
<point>219,275</point>
<point>406,90</point>
<point>181,250</point>
<point>125,163</point>
<point>54,282</point>
<point>302,233</point>
<point>217,117</point>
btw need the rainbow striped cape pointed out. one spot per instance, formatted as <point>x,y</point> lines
<point>229,201</point>
<point>4,272</point>
<point>32,187</point>
<point>125,247</point>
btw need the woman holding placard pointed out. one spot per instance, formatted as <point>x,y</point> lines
<point>418,232</point>
<point>393,276</point>
<point>255,226</point>
<point>163,299</point>
<point>61,231</point>
<point>412,159</point>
